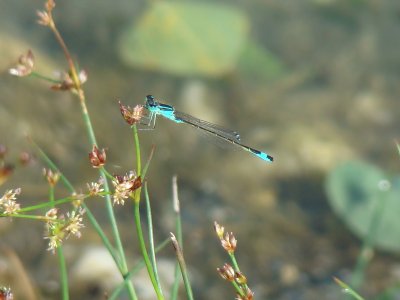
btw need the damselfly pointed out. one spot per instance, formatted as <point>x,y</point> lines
<point>156,108</point>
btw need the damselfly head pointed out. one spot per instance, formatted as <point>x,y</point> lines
<point>150,101</point>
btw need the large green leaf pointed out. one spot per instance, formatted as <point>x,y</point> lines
<point>260,65</point>
<point>355,194</point>
<point>187,38</point>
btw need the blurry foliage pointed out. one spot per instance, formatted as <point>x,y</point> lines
<point>258,64</point>
<point>356,191</point>
<point>186,39</point>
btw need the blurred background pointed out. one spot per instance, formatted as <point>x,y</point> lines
<point>313,83</point>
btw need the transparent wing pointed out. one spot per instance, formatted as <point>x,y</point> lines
<point>207,126</point>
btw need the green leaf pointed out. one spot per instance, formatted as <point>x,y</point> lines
<point>260,65</point>
<point>186,39</point>
<point>354,194</point>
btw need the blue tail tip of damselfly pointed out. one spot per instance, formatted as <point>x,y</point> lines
<point>262,155</point>
<point>266,157</point>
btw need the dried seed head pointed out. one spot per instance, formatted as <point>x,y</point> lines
<point>50,4</point>
<point>67,84</point>
<point>247,294</point>
<point>124,186</point>
<point>52,177</point>
<point>58,229</point>
<point>24,66</point>
<point>6,294</point>
<point>74,222</point>
<point>10,195</point>
<point>97,157</point>
<point>52,214</point>
<point>82,76</point>
<point>8,205</point>
<point>44,18</point>
<point>131,115</point>
<point>77,199</point>
<point>227,272</point>
<point>229,242</point>
<point>219,230</point>
<point>96,187</point>
<point>240,278</point>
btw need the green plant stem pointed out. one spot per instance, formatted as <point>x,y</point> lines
<point>109,208</point>
<point>175,286</point>
<point>237,269</point>
<point>52,165</point>
<point>146,166</point>
<point>347,289</point>
<point>137,148</point>
<point>30,217</point>
<point>40,76</point>
<point>182,265</point>
<point>234,261</point>
<point>109,176</point>
<point>178,229</point>
<point>144,252</point>
<point>63,45</point>
<point>75,78</point>
<point>50,204</point>
<point>138,267</point>
<point>150,265</point>
<point>61,258</point>
<point>151,237</point>
<point>63,273</point>
<point>104,238</point>
<point>237,288</point>
<point>92,219</point>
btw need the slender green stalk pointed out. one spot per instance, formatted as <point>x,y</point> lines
<point>61,258</point>
<point>177,210</point>
<point>48,204</point>
<point>347,289</point>
<point>137,148</point>
<point>144,251</point>
<point>52,165</point>
<point>77,86</point>
<point>104,239</point>
<point>175,286</point>
<point>137,192</point>
<point>92,219</point>
<point>71,189</point>
<point>136,269</point>
<point>178,229</point>
<point>29,217</point>
<point>109,208</point>
<point>182,264</point>
<point>151,268</point>
<point>237,287</point>
<point>109,176</point>
<point>40,76</point>
<point>63,273</point>
<point>146,166</point>
<point>234,262</point>
<point>151,237</point>
<point>237,269</point>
